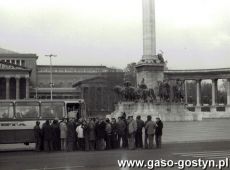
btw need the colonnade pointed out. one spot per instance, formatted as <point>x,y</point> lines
<point>14,87</point>
<point>214,92</point>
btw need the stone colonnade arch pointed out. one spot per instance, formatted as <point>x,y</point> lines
<point>198,75</point>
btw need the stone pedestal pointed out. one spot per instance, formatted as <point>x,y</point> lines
<point>166,111</point>
<point>150,73</point>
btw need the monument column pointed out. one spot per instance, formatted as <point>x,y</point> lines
<point>149,35</point>
<point>150,69</point>
<point>7,87</point>
<point>198,93</point>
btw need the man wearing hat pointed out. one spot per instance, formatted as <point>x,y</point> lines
<point>38,136</point>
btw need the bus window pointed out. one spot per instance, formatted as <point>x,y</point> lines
<point>6,110</point>
<point>26,110</point>
<point>51,110</point>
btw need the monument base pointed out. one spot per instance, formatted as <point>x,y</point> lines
<point>166,111</point>
<point>150,73</point>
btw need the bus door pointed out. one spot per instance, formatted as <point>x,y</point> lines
<point>73,110</point>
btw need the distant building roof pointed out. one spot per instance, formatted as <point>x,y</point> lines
<point>78,83</point>
<point>5,51</point>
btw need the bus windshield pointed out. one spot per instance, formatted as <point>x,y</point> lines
<point>26,110</point>
<point>6,110</point>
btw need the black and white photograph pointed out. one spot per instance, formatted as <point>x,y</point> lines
<point>114,84</point>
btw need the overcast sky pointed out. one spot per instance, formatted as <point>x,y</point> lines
<point>191,33</point>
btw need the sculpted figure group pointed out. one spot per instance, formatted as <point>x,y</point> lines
<point>141,93</point>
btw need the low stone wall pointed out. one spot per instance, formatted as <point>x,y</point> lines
<point>215,115</point>
<point>166,111</point>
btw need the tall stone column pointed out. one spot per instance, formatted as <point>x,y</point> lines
<point>7,87</point>
<point>17,87</point>
<point>150,69</point>
<point>149,35</point>
<point>228,92</point>
<point>216,85</point>
<point>198,93</point>
<point>27,88</point>
<point>185,92</point>
<point>214,91</point>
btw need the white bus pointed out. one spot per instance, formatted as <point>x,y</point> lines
<point>18,117</point>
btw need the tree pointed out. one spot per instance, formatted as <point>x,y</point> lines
<point>130,73</point>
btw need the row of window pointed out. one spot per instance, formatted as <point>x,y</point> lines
<point>16,62</point>
<point>57,85</point>
<point>7,112</point>
<point>56,97</point>
<point>70,70</point>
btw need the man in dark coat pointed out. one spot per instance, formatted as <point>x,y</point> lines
<point>56,135</point>
<point>121,131</point>
<point>158,132</point>
<point>108,136</point>
<point>125,144</point>
<point>71,135</point>
<point>47,136</point>
<point>138,137</point>
<point>37,136</point>
<point>100,134</point>
<point>86,134</point>
<point>114,137</point>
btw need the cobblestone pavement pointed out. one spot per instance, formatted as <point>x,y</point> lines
<point>108,160</point>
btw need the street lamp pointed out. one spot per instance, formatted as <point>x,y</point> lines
<point>51,75</point>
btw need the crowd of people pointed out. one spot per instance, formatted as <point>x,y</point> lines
<point>98,134</point>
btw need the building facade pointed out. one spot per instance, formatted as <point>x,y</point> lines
<point>21,78</point>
